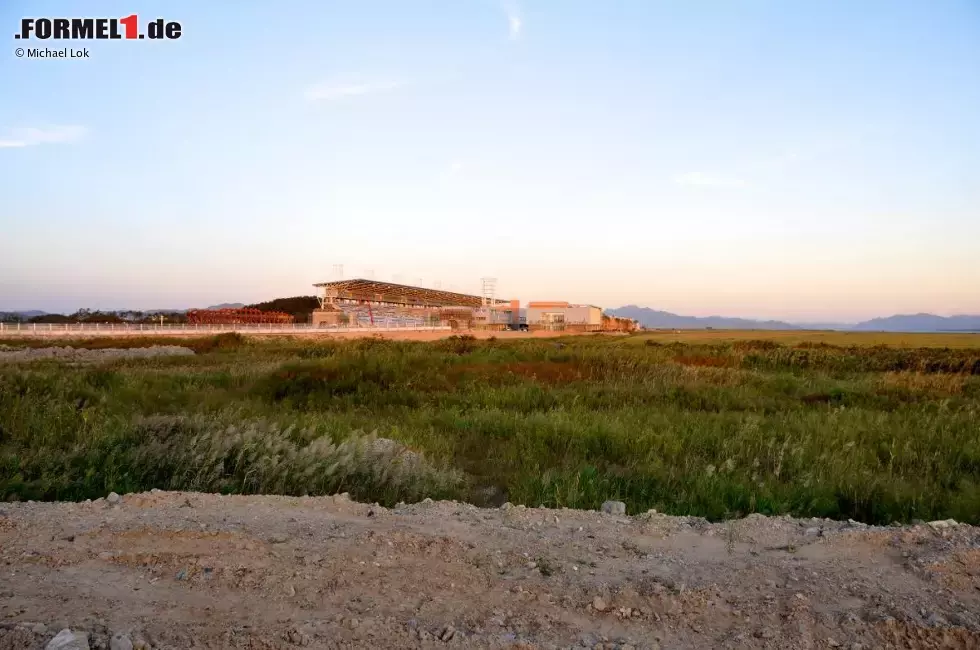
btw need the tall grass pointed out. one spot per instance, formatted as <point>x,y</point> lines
<point>875,434</point>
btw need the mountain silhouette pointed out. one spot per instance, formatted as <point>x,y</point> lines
<point>665,320</point>
<point>920,323</point>
<point>655,319</point>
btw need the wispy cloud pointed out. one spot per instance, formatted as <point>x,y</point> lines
<point>331,91</point>
<point>32,137</point>
<point>699,179</point>
<point>515,21</point>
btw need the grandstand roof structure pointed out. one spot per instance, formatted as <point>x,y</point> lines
<point>388,292</point>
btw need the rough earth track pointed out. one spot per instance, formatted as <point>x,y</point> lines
<point>71,354</point>
<point>186,570</point>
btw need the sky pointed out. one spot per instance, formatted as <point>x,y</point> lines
<point>814,160</point>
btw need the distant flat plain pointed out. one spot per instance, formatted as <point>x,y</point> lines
<point>830,337</point>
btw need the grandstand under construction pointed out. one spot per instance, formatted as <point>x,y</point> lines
<point>369,303</point>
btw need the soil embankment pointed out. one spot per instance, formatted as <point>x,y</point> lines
<point>185,570</point>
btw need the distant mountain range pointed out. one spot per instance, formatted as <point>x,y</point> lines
<point>34,313</point>
<point>227,305</point>
<point>653,318</point>
<point>663,319</point>
<point>21,314</point>
<point>921,323</point>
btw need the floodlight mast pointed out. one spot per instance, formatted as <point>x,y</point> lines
<point>489,298</point>
<point>329,294</point>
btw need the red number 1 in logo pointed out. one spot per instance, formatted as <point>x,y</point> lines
<point>130,23</point>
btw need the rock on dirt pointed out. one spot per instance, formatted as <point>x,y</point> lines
<point>68,640</point>
<point>120,642</point>
<point>614,508</point>
<point>446,574</point>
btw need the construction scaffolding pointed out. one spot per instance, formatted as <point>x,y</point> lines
<point>371,291</point>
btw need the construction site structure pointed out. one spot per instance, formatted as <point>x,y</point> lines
<point>369,303</point>
<point>244,316</point>
<point>360,290</point>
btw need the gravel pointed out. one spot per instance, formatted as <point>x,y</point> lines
<point>327,572</point>
<point>120,642</point>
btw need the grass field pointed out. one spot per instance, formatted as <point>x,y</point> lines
<point>717,424</point>
<point>797,337</point>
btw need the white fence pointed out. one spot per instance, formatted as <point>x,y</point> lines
<point>185,329</point>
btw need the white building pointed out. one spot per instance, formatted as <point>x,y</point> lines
<point>562,313</point>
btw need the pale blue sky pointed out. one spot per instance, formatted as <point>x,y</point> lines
<point>764,158</point>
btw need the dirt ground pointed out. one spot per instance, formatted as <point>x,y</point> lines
<point>77,355</point>
<point>184,570</point>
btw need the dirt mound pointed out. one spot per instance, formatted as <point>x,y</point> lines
<point>77,355</point>
<point>180,570</point>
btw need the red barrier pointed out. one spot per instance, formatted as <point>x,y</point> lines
<point>237,317</point>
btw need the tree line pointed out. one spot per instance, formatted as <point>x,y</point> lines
<point>300,307</point>
<point>98,316</point>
